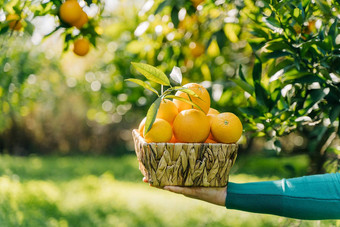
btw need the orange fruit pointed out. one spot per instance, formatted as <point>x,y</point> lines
<point>196,2</point>
<point>81,21</point>
<point>14,22</point>
<point>70,11</point>
<point>191,126</point>
<point>167,111</point>
<point>226,128</point>
<point>141,127</point>
<point>210,141</point>
<point>160,132</point>
<point>81,47</point>
<point>203,101</point>
<point>173,139</point>
<point>213,111</point>
<point>188,23</point>
<point>197,49</point>
<point>210,117</point>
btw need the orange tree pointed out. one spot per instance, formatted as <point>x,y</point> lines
<point>290,80</point>
<point>20,23</point>
<point>285,49</point>
<point>295,79</point>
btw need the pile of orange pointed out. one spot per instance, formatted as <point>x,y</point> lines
<point>180,122</point>
<point>71,13</point>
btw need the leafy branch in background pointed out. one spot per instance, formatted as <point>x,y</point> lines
<point>295,83</point>
<point>28,10</point>
<point>157,76</point>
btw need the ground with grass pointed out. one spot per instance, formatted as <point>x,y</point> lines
<point>108,191</point>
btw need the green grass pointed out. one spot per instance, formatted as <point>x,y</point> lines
<point>107,191</point>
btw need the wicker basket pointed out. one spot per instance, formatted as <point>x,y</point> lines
<point>185,164</point>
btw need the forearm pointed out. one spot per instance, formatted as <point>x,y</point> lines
<point>312,197</point>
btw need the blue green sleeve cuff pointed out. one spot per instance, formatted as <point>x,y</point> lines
<point>314,197</point>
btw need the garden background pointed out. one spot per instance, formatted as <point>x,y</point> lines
<point>66,150</point>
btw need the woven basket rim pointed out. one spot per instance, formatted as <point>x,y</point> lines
<point>140,138</point>
<point>185,164</point>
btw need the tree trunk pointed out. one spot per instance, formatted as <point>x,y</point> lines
<point>317,154</point>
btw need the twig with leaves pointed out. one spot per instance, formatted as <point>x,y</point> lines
<point>173,82</point>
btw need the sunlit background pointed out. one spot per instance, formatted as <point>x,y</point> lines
<point>67,155</point>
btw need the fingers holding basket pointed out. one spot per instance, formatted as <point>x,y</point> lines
<point>212,195</point>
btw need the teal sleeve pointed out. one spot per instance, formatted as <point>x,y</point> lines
<point>315,197</point>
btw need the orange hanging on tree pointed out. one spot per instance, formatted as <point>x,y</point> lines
<point>70,12</point>
<point>81,47</point>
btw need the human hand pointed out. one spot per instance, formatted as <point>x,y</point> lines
<point>212,195</point>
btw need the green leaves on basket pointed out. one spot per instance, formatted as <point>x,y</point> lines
<point>151,115</point>
<point>157,76</point>
<point>143,84</point>
<point>184,100</point>
<point>152,73</point>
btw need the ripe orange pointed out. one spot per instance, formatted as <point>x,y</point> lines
<point>188,23</point>
<point>167,111</point>
<point>160,132</point>
<point>70,11</point>
<point>213,111</point>
<point>81,21</point>
<point>210,141</point>
<point>141,127</point>
<point>173,139</point>
<point>14,22</point>
<point>226,128</point>
<point>197,49</point>
<point>191,126</point>
<point>81,47</point>
<point>203,101</point>
<point>197,2</point>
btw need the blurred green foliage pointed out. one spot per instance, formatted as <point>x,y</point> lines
<point>295,78</point>
<point>108,191</point>
<point>275,64</point>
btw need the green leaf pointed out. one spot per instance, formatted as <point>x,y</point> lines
<point>261,95</point>
<point>186,90</point>
<point>29,27</point>
<point>272,23</point>
<point>244,85</point>
<point>257,43</point>
<point>257,70</point>
<point>220,38</point>
<point>334,113</point>
<point>250,111</point>
<point>286,65</point>
<point>240,73</point>
<point>259,33</point>
<point>314,97</point>
<point>151,73</point>
<point>183,100</point>
<point>277,44</point>
<point>307,79</point>
<point>161,6</point>
<point>297,14</point>
<point>143,84</point>
<point>275,54</point>
<point>333,31</point>
<point>174,16</point>
<point>275,95</point>
<point>151,115</point>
